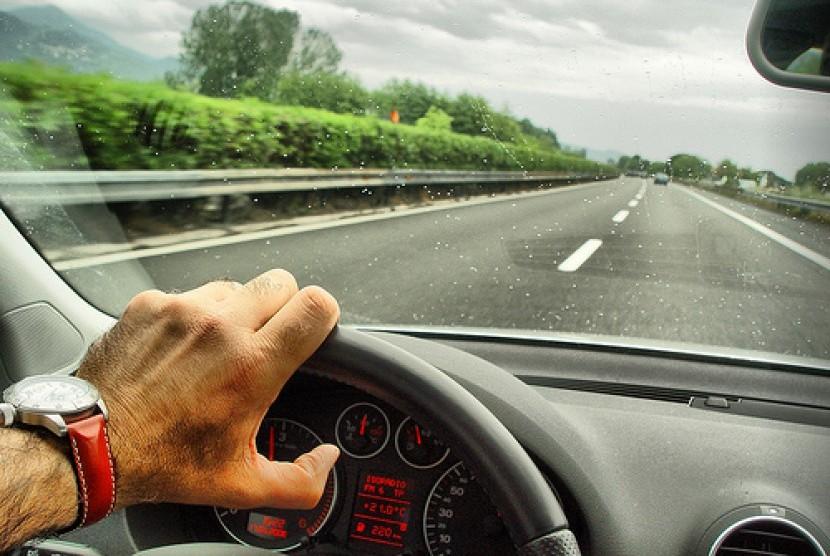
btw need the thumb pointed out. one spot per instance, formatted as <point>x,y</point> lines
<point>298,484</point>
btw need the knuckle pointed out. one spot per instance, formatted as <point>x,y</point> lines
<point>282,277</point>
<point>206,326</point>
<point>146,301</point>
<point>318,303</point>
<point>175,307</point>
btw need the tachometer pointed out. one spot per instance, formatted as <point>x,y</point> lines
<point>460,520</point>
<point>281,530</point>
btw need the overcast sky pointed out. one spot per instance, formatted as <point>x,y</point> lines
<point>654,77</point>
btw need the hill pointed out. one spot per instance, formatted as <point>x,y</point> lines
<point>48,34</point>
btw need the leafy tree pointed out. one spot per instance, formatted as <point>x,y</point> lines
<point>815,175</point>
<point>656,166</point>
<point>688,167</point>
<point>473,115</point>
<point>727,170</point>
<point>747,173</point>
<point>314,52</point>
<point>435,119</point>
<point>633,164</point>
<point>237,49</point>
<point>546,137</point>
<point>412,100</point>
<point>337,92</point>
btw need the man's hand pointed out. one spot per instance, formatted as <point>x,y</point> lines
<point>187,379</point>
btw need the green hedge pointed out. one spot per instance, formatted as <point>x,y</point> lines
<point>59,120</point>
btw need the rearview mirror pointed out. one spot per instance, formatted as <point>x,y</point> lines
<point>789,42</point>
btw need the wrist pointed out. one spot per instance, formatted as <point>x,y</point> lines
<point>49,482</point>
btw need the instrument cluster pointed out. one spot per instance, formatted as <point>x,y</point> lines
<point>397,489</point>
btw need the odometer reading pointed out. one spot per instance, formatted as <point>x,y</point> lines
<point>281,530</point>
<point>460,520</point>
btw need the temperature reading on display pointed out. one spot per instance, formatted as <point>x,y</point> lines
<point>381,514</point>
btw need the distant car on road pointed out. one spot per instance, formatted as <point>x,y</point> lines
<point>661,179</point>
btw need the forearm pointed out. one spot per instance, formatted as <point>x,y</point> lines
<point>37,482</point>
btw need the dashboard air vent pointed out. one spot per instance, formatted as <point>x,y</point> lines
<point>766,536</point>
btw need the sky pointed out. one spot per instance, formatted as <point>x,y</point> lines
<point>652,77</point>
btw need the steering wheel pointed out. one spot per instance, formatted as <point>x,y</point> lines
<point>532,514</point>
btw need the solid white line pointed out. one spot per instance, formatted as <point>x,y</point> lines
<point>121,256</point>
<point>793,246</point>
<point>633,203</point>
<point>620,216</point>
<point>579,256</point>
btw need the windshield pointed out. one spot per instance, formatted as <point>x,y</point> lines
<point>591,169</point>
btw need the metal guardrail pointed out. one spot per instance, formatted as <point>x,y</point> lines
<point>90,187</point>
<point>806,204</point>
<point>813,205</point>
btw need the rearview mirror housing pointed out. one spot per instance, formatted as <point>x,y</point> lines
<point>788,42</point>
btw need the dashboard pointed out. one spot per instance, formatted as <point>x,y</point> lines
<point>396,489</point>
<point>638,466</point>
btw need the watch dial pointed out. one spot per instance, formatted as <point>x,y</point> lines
<point>52,394</point>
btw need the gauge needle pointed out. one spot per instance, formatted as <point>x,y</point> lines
<point>271,443</point>
<point>363,424</point>
<point>418,434</point>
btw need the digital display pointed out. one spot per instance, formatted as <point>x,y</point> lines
<point>267,526</point>
<point>381,512</point>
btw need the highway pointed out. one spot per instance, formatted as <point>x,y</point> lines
<point>619,258</point>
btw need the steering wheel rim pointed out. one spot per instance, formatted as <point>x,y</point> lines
<point>531,512</point>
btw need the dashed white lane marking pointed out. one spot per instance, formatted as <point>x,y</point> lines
<point>638,196</point>
<point>579,256</point>
<point>633,203</point>
<point>793,246</point>
<point>620,216</point>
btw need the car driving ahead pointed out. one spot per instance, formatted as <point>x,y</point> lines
<point>365,277</point>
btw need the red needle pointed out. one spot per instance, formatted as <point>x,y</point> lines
<point>271,443</point>
<point>363,424</point>
<point>418,434</point>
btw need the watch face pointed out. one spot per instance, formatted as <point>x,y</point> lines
<point>52,394</point>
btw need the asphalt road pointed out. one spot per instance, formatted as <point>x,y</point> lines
<point>674,268</point>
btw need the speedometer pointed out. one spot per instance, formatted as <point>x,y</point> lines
<point>275,529</point>
<point>460,520</point>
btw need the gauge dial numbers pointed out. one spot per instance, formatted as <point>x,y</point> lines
<point>362,430</point>
<point>274,529</point>
<point>417,446</point>
<point>459,519</point>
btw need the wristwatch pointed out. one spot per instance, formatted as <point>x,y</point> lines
<point>71,408</point>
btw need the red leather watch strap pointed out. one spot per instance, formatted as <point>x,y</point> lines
<point>92,457</point>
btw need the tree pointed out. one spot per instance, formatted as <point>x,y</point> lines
<point>815,175</point>
<point>747,173</point>
<point>728,171</point>
<point>237,49</point>
<point>688,167</point>
<point>546,137</point>
<point>473,115</point>
<point>657,166</point>
<point>435,119</point>
<point>337,92</point>
<point>314,52</point>
<point>411,100</point>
